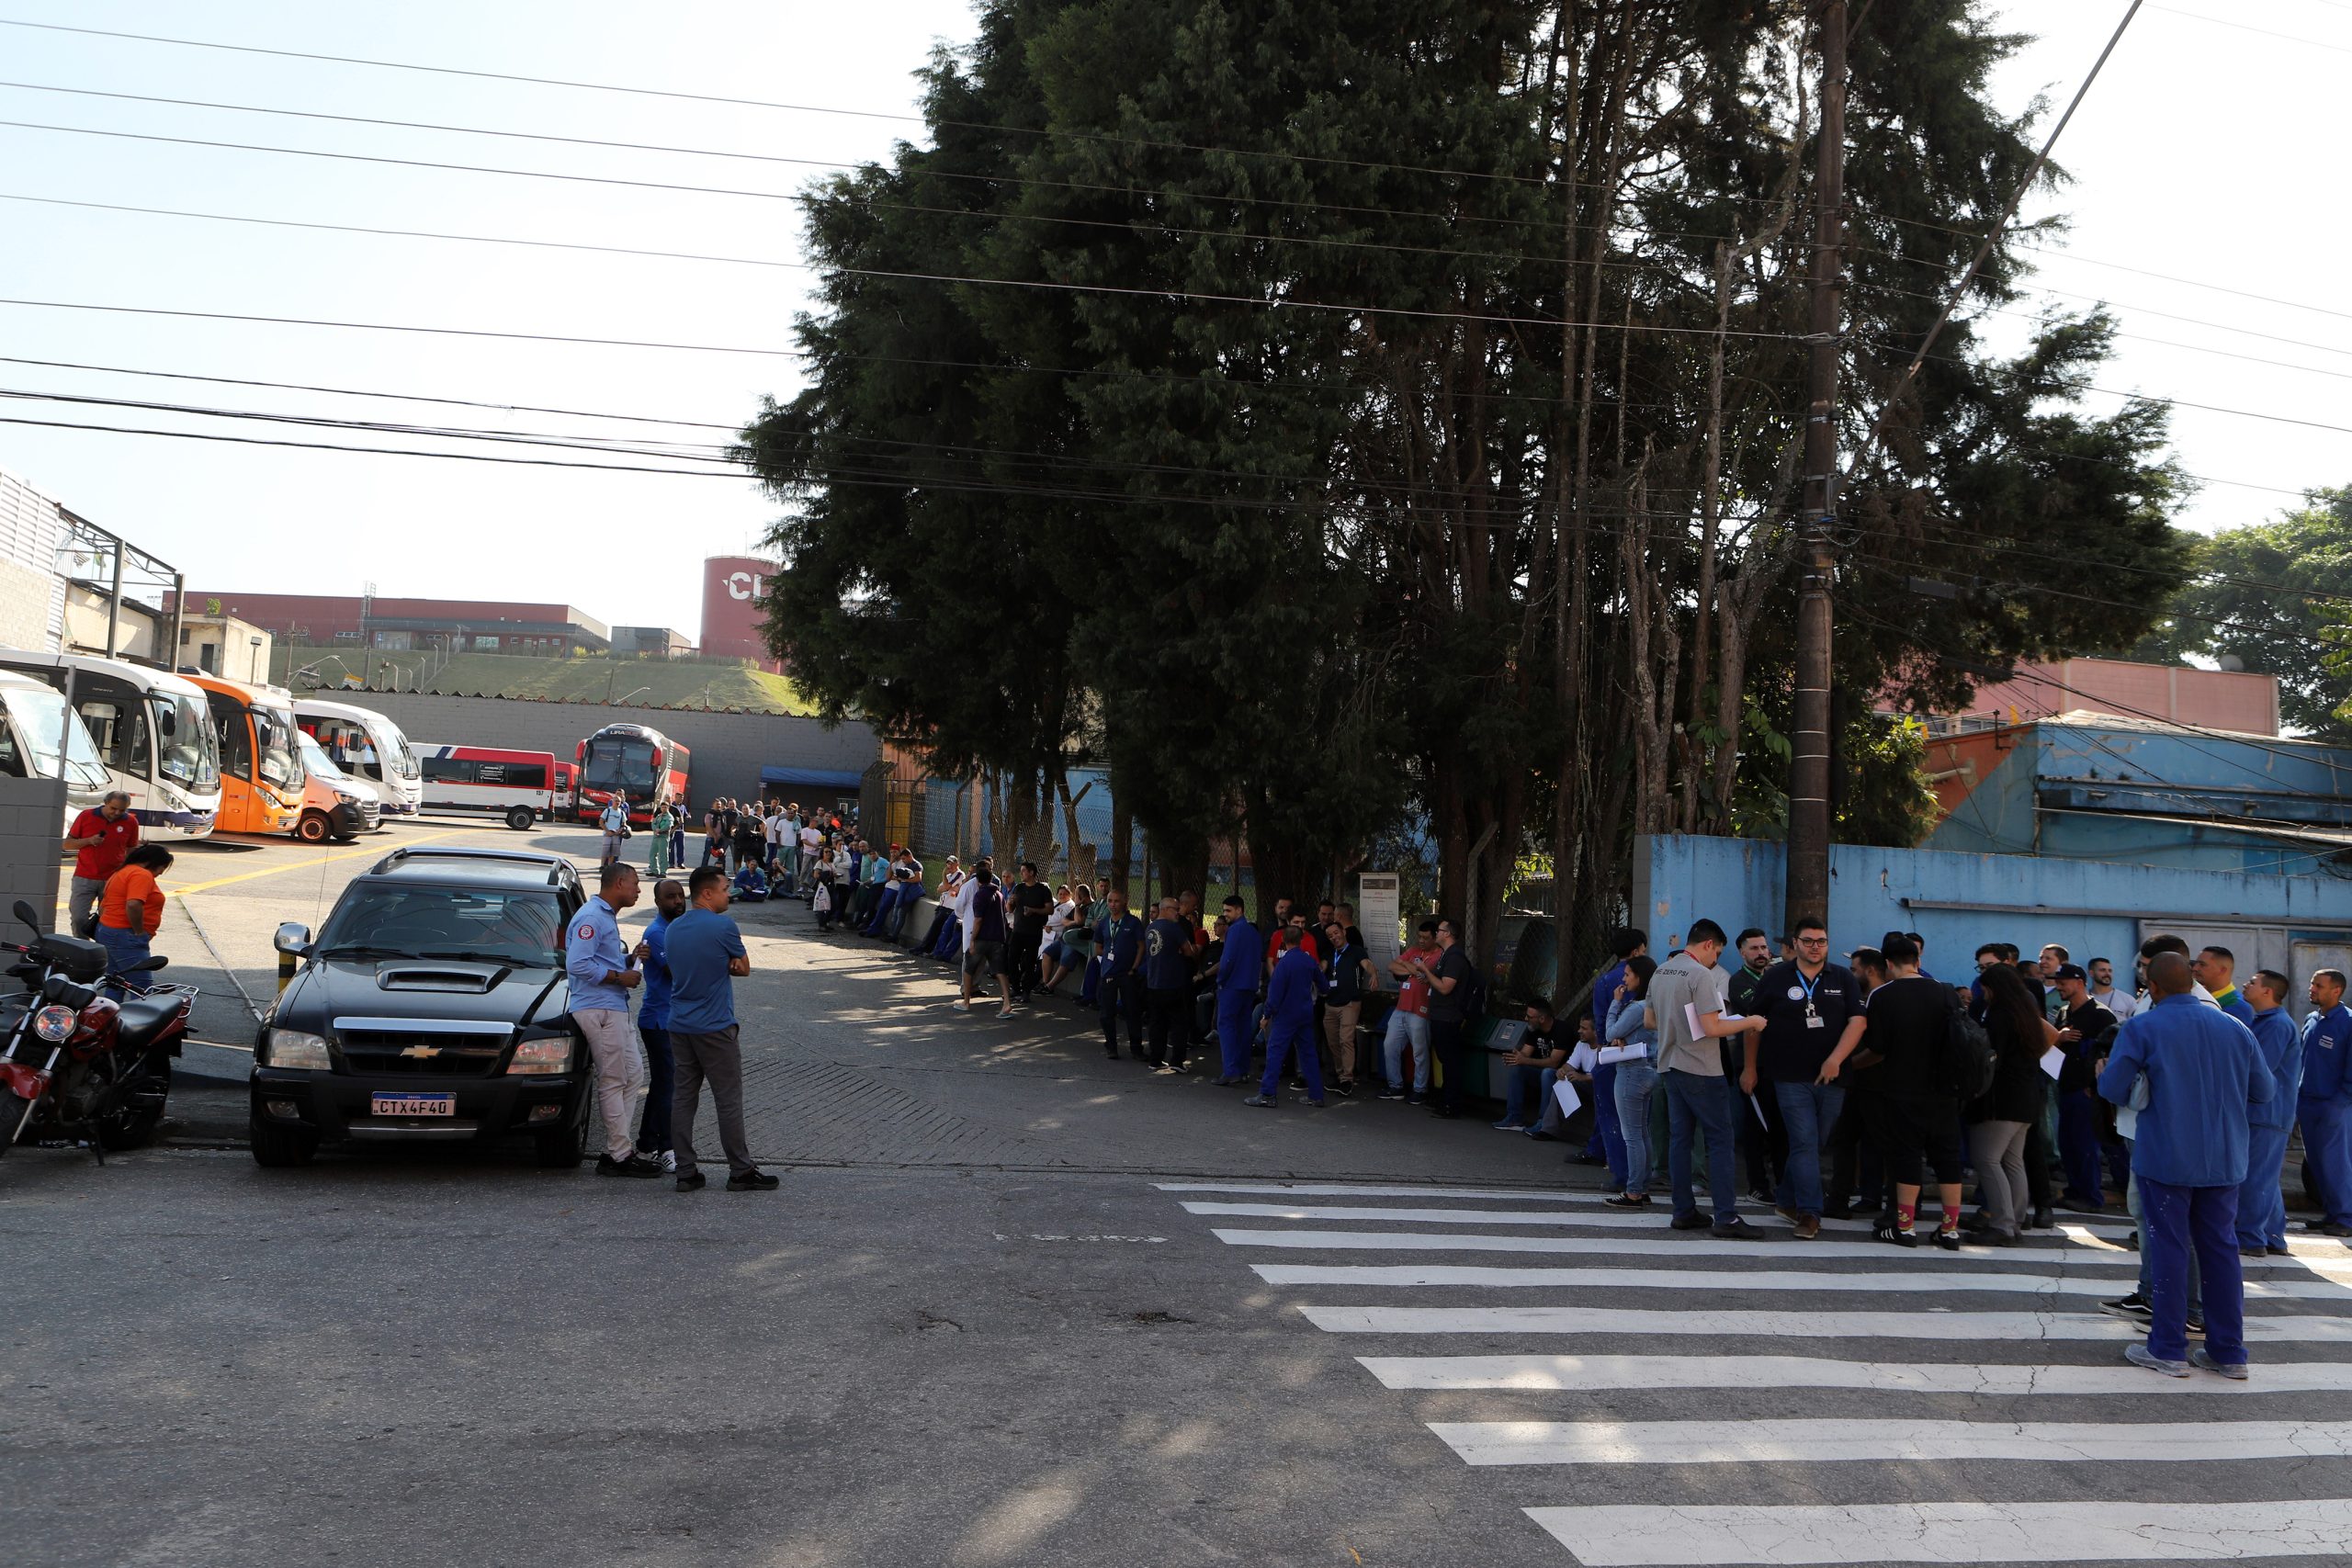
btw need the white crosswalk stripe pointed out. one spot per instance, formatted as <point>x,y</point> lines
<point>1701,1316</point>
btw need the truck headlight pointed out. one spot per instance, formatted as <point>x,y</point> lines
<point>542,1056</point>
<point>346,797</point>
<point>292,1048</point>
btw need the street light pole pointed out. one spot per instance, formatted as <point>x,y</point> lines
<point>1808,843</point>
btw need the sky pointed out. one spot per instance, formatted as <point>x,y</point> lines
<point>2200,155</point>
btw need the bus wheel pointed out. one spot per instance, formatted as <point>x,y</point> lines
<point>520,818</point>
<point>313,828</point>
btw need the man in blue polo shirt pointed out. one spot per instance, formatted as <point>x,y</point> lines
<point>601,976</point>
<point>2324,1104</point>
<point>2262,1207</point>
<point>1118,938</point>
<point>2204,1074</point>
<point>706,954</point>
<point>653,1022</point>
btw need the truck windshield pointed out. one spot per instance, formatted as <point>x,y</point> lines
<point>446,922</point>
<point>613,764</point>
<point>393,749</point>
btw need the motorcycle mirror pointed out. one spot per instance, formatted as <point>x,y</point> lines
<point>147,965</point>
<point>24,912</point>
<point>293,939</point>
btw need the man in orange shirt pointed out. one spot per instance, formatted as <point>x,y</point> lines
<point>132,909</point>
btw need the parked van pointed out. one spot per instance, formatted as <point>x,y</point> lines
<point>34,722</point>
<point>517,785</point>
<point>334,804</point>
<point>262,782</point>
<point>367,745</point>
<point>152,730</point>
<point>567,789</point>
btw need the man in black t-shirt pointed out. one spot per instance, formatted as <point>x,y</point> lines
<point>1812,1023</point>
<point>1451,980</point>
<point>1168,953</point>
<point>1027,903</point>
<point>1917,1123</point>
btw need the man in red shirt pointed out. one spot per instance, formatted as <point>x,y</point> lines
<point>104,837</point>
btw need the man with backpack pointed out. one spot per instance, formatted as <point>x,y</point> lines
<point>1925,1046</point>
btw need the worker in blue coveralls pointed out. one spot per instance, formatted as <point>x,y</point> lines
<point>1290,1018</point>
<point>1118,940</point>
<point>2262,1208</point>
<point>2205,1073</point>
<point>1237,993</point>
<point>2325,1104</point>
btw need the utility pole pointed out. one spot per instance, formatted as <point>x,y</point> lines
<point>1808,845</point>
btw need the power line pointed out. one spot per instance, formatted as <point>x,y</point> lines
<point>2249,27</point>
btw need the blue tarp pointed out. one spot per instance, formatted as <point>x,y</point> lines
<point>811,778</point>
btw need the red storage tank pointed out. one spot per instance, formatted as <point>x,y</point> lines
<point>734,603</point>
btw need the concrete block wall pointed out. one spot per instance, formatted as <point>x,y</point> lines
<point>729,749</point>
<point>32,830</point>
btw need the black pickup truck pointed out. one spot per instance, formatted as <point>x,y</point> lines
<point>432,1008</point>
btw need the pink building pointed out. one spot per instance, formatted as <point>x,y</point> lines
<point>2178,693</point>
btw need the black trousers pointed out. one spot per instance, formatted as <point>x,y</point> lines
<point>1024,944</point>
<point>1110,997</point>
<point>1171,1030</point>
<point>1447,1044</point>
<point>1854,1156</point>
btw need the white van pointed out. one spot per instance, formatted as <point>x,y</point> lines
<point>34,722</point>
<point>334,804</point>
<point>367,745</point>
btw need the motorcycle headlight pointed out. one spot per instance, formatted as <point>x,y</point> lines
<point>542,1056</point>
<point>55,1023</point>
<point>292,1048</point>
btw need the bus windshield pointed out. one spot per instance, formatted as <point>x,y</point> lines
<point>187,751</point>
<point>393,750</point>
<point>316,763</point>
<point>279,764</point>
<point>41,720</point>
<point>614,764</point>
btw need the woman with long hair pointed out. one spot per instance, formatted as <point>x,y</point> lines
<point>1636,1077</point>
<point>1998,1120</point>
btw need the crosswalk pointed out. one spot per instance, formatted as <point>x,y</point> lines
<point>1657,1400</point>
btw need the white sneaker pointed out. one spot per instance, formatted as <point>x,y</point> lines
<point>962,1006</point>
<point>670,1161</point>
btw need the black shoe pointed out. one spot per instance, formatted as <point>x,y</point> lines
<point>1896,1235</point>
<point>1344,1086</point>
<point>1586,1159</point>
<point>636,1165</point>
<point>1394,1094</point>
<point>1444,1112</point>
<point>1113,1054</point>
<point>2042,1220</point>
<point>2133,1308</point>
<point>1692,1222</point>
<point>1735,1229</point>
<point>2278,1252</point>
<point>693,1181</point>
<point>2081,1206</point>
<point>1837,1211</point>
<point>753,1180</point>
<point>1307,1100</point>
<point>1949,1240</point>
<point>1266,1100</point>
<point>1627,1201</point>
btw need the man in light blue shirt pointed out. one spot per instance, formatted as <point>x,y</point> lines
<point>613,820</point>
<point>602,975</point>
<point>2262,1207</point>
<point>706,954</point>
<point>2204,1074</point>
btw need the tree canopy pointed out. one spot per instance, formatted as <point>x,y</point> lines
<point>1329,412</point>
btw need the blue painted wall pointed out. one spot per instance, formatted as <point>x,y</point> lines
<point>1737,882</point>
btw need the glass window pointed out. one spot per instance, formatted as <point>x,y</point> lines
<point>117,721</point>
<point>187,750</point>
<point>381,922</point>
<point>236,744</point>
<point>274,732</point>
<point>41,719</point>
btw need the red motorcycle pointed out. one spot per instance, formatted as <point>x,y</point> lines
<point>85,1054</point>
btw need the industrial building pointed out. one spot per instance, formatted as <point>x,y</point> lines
<point>457,625</point>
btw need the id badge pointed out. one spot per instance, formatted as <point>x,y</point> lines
<point>1814,1020</point>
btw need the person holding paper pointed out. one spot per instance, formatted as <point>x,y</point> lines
<point>1629,1030</point>
<point>1686,1007</point>
<point>1538,1058</point>
<point>1998,1119</point>
<point>1811,1025</point>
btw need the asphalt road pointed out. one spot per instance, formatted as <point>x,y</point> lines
<point>1015,1304</point>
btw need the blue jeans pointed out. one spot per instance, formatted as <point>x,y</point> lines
<point>1692,1102</point>
<point>2327,1149</point>
<point>2200,1223</point>
<point>2262,1207</point>
<point>653,1127</point>
<point>1524,1096</point>
<point>123,948</point>
<point>1808,1110</point>
<point>1406,1029</point>
<point>1635,1080</point>
<point>1608,1137</point>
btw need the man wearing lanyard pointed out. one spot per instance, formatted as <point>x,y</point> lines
<point>1118,936</point>
<point>601,976</point>
<point>1812,1023</point>
<point>1762,1145</point>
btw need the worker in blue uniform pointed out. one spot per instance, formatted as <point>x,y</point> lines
<point>1236,992</point>
<point>1118,939</point>
<point>1290,1018</point>
<point>2204,1074</point>
<point>2324,1104</point>
<point>2262,1207</point>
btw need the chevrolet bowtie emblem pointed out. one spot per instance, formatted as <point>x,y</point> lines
<point>423,1052</point>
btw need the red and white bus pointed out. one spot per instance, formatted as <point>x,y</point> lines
<point>639,762</point>
<point>517,785</point>
<point>567,787</point>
